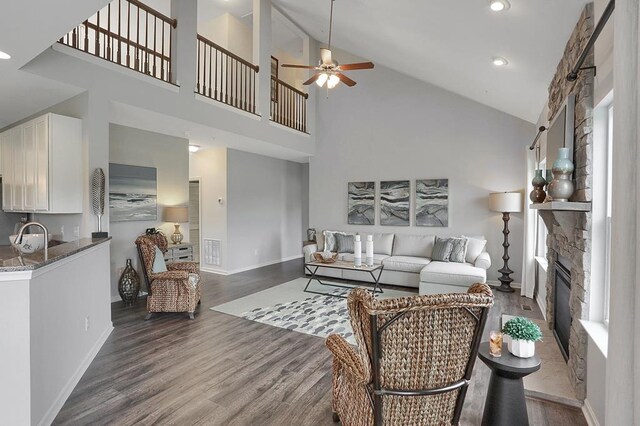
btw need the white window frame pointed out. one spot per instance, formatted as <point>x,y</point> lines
<point>609,195</point>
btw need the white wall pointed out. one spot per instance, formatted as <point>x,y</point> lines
<point>265,211</point>
<point>169,155</point>
<point>210,167</point>
<point>392,127</point>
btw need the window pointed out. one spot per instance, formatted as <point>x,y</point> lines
<point>609,182</point>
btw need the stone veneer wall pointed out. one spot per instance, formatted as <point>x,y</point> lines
<point>573,239</point>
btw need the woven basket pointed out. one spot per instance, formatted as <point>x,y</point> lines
<point>318,258</point>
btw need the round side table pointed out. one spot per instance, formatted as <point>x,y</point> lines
<point>505,403</point>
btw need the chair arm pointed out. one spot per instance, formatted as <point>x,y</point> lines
<point>347,356</point>
<point>191,267</point>
<point>308,251</point>
<point>483,260</point>
<point>170,275</point>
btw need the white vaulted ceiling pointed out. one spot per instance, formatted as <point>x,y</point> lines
<point>450,43</point>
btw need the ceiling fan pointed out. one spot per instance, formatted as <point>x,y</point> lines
<point>329,71</point>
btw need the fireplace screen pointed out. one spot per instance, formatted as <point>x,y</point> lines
<point>562,314</point>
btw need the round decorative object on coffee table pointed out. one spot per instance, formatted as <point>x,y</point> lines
<point>129,285</point>
<point>505,403</point>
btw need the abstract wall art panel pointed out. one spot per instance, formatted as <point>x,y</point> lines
<point>361,203</point>
<point>132,193</point>
<point>394,202</point>
<point>432,202</point>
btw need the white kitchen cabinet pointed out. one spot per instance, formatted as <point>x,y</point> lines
<point>42,166</point>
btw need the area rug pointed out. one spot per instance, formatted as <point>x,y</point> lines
<point>551,382</point>
<point>288,306</point>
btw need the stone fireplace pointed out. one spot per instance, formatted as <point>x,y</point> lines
<point>569,237</point>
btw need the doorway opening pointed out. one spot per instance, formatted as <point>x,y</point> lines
<point>194,217</point>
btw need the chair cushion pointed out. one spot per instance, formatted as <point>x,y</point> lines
<point>405,263</point>
<point>412,245</point>
<point>348,257</point>
<point>158,262</point>
<point>442,249</point>
<point>474,248</point>
<point>462,274</point>
<point>194,279</point>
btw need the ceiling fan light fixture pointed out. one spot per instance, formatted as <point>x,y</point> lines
<point>322,79</point>
<point>333,81</point>
<point>499,5</point>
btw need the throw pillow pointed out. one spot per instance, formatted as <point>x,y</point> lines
<point>158,262</point>
<point>344,243</point>
<point>474,248</point>
<point>442,249</point>
<point>459,249</point>
<point>329,241</point>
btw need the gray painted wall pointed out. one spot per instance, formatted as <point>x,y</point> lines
<point>264,210</point>
<point>170,156</point>
<point>391,127</point>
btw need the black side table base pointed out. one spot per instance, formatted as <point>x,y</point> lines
<point>505,404</point>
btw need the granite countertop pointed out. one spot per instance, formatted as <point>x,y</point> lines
<point>11,260</point>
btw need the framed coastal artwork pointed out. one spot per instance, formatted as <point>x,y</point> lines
<point>361,203</point>
<point>395,202</point>
<point>133,193</point>
<point>432,202</point>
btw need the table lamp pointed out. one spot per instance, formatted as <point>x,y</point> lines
<point>505,203</point>
<point>176,215</point>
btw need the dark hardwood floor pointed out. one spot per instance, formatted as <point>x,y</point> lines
<point>222,370</point>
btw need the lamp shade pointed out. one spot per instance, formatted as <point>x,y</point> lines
<point>505,202</point>
<point>176,214</point>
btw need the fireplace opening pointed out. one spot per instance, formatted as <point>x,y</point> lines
<point>562,314</point>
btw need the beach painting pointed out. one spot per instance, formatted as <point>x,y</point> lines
<point>394,202</point>
<point>432,202</point>
<point>133,192</point>
<point>361,200</point>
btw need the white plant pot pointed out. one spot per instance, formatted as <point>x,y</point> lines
<point>521,348</point>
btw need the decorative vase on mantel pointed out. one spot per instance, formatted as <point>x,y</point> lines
<point>561,187</point>
<point>129,285</point>
<point>538,195</point>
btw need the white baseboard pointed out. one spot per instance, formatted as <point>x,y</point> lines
<point>542,304</point>
<point>53,411</point>
<point>118,299</point>
<point>589,414</point>
<point>262,265</point>
<point>213,270</point>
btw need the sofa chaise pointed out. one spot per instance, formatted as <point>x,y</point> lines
<point>407,261</point>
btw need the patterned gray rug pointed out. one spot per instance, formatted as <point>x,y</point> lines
<point>316,315</point>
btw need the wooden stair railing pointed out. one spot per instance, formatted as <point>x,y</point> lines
<point>289,105</point>
<point>128,33</point>
<point>225,77</point>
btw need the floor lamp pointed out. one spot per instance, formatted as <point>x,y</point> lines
<point>505,203</point>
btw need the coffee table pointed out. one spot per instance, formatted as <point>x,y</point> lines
<point>505,404</point>
<point>312,268</point>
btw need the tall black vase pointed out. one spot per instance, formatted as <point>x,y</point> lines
<point>129,285</point>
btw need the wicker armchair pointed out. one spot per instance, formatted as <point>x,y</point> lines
<point>414,358</point>
<point>177,289</point>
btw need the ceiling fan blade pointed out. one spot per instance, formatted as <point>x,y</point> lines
<point>312,79</point>
<point>346,80</point>
<point>307,67</point>
<point>325,54</point>
<point>358,66</point>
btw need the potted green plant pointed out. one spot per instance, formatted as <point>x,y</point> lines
<point>523,333</point>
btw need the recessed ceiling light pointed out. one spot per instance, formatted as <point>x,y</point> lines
<point>194,148</point>
<point>499,5</point>
<point>499,61</point>
<point>4,55</point>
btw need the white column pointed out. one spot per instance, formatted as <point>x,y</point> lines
<point>184,47</point>
<point>623,363</point>
<point>262,53</point>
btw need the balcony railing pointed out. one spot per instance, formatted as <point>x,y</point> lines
<point>128,33</point>
<point>225,77</point>
<point>289,105</point>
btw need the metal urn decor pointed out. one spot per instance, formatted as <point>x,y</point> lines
<point>129,285</point>
<point>97,200</point>
<point>538,195</point>
<point>561,187</point>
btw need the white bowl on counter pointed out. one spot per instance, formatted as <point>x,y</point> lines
<point>30,242</point>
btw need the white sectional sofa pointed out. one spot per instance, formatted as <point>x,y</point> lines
<point>407,262</point>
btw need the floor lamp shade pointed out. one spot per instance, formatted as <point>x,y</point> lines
<point>176,215</point>
<point>505,202</point>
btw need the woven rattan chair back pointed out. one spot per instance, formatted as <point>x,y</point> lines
<point>419,352</point>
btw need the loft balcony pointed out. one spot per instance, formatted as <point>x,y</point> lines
<point>136,36</point>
